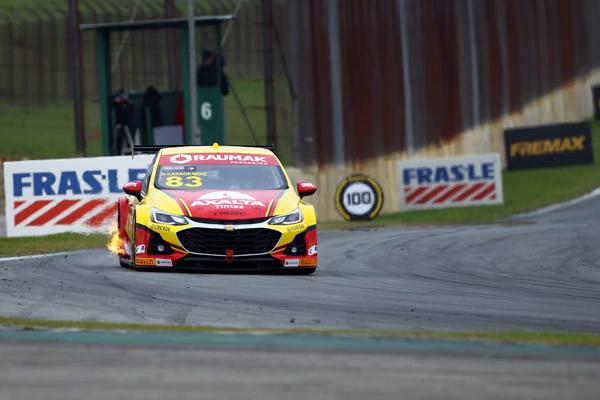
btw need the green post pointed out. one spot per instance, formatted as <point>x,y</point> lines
<point>149,129</point>
<point>105,89</point>
<point>210,103</point>
<point>185,81</point>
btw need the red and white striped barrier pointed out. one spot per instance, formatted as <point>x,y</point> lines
<point>450,182</point>
<point>68,195</point>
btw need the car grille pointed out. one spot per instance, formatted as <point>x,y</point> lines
<point>229,221</point>
<point>216,241</point>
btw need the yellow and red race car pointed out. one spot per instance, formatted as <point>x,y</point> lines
<point>217,208</point>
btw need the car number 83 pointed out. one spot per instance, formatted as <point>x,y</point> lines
<point>187,181</point>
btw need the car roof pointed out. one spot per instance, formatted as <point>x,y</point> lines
<point>215,149</point>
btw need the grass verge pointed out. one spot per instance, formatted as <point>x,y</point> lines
<point>48,132</point>
<point>550,338</point>
<point>19,246</point>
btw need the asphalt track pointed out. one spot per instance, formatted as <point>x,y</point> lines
<point>543,275</point>
<point>61,371</point>
<point>539,276</point>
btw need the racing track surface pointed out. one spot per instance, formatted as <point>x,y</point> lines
<point>540,276</point>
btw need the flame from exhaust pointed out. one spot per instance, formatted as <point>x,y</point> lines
<point>115,243</point>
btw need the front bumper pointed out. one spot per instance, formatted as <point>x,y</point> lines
<point>218,264</point>
<point>296,249</point>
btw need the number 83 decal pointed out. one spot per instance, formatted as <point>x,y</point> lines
<point>187,181</point>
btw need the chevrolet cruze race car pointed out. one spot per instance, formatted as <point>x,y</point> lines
<point>217,208</point>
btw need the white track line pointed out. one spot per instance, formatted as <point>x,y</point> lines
<point>32,257</point>
<point>558,206</point>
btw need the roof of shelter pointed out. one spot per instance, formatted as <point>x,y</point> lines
<point>156,23</point>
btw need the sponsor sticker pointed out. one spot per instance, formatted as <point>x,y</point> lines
<point>359,197</point>
<point>309,262</point>
<point>294,262</point>
<point>140,249</point>
<point>164,262</point>
<point>312,250</point>
<point>296,228</point>
<point>145,261</point>
<point>227,200</point>
<point>220,158</point>
<point>155,227</point>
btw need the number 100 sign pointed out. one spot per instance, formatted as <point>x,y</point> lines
<point>359,198</point>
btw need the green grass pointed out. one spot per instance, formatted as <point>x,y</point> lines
<point>251,94</point>
<point>551,338</point>
<point>524,190</point>
<point>48,132</point>
<point>18,246</point>
<point>45,132</point>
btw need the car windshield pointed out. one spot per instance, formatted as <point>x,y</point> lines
<point>220,177</point>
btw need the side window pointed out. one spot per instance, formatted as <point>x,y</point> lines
<point>146,180</point>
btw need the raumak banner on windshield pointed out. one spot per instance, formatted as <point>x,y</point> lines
<point>67,195</point>
<point>548,146</point>
<point>450,182</point>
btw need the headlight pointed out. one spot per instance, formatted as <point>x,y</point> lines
<point>161,217</point>
<point>287,219</point>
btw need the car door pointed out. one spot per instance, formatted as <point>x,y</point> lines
<point>132,203</point>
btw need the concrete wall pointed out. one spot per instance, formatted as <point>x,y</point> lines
<point>570,103</point>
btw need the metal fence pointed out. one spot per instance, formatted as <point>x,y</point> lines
<point>415,73</point>
<point>34,66</point>
<point>354,79</point>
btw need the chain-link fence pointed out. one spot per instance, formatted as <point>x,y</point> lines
<point>35,65</point>
<point>353,79</point>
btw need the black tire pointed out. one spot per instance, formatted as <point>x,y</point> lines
<point>132,242</point>
<point>302,271</point>
<point>123,263</point>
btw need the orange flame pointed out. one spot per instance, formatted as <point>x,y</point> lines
<point>115,243</point>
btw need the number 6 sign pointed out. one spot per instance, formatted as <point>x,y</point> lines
<point>359,197</point>
<point>206,110</point>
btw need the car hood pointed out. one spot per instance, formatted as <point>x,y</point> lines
<point>234,204</point>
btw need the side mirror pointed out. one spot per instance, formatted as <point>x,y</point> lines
<point>133,188</point>
<point>305,188</point>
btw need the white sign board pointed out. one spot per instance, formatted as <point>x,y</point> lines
<point>450,182</point>
<point>67,195</point>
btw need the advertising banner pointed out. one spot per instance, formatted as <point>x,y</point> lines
<point>548,146</point>
<point>450,182</point>
<point>67,195</point>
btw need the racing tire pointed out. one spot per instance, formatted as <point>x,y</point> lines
<point>132,243</point>
<point>303,271</point>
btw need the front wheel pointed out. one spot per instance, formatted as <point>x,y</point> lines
<point>132,243</point>
<point>302,271</point>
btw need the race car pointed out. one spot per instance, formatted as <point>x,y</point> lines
<point>217,208</point>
